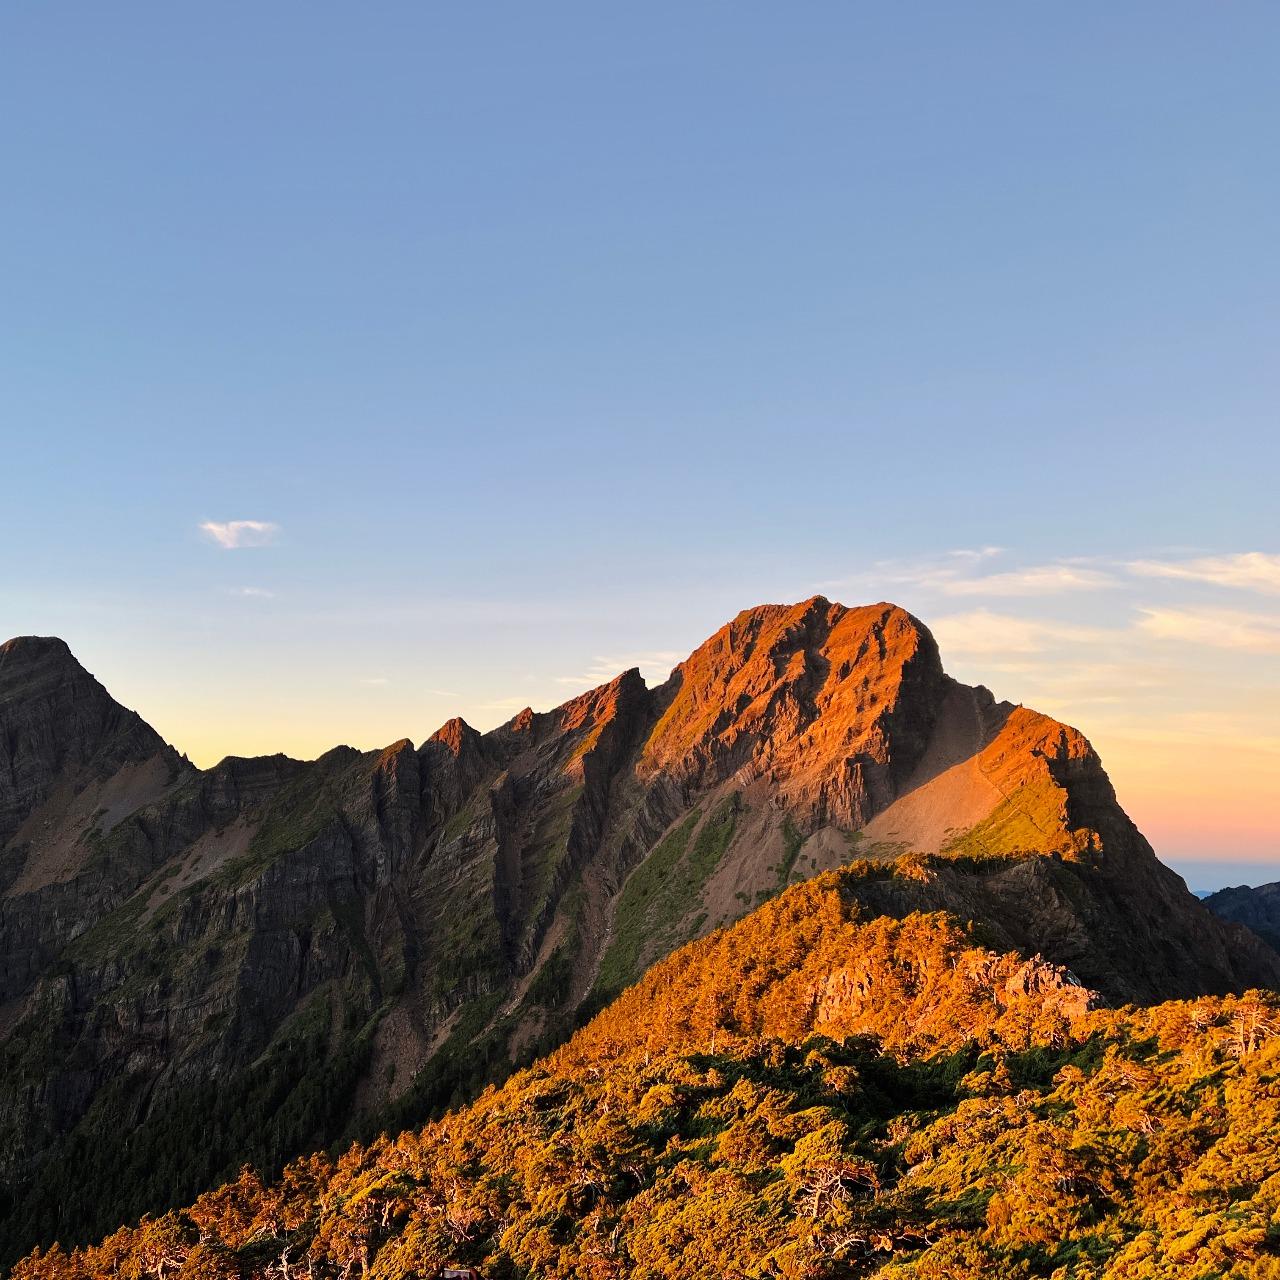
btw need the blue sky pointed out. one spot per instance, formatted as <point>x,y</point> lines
<point>547,337</point>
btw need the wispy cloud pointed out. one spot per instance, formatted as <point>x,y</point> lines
<point>654,664</point>
<point>1248,570</point>
<point>232,535</point>
<point>256,593</point>
<point>375,682</point>
<point>927,571</point>
<point>984,632</point>
<point>1038,580</point>
<point>1217,628</point>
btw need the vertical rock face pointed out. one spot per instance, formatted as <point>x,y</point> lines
<point>283,953</point>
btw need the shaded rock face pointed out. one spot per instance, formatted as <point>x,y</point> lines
<point>279,954</point>
<point>58,726</point>
<point>1258,909</point>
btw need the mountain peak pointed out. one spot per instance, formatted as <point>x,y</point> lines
<point>603,702</point>
<point>34,650</point>
<point>832,705</point>
<point>454,734</point>
<point>59,728</point>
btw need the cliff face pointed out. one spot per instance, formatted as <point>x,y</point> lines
<point>278,953</point>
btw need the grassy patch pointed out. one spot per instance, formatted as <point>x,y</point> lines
<point>296,816</point>
<point>460,822</point>
<point>1029,820</point>
<point>466,940</point>
<point>661,891</point>
<point>792,840</point>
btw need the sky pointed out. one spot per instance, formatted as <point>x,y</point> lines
<point>365,365</point>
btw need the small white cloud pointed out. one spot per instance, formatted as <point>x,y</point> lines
<point>257,593</point>
<point>975,555</point>
<point>1249,570</point>
<point>231,535</point>
<point>1216,628</point>
<point>374,681</point>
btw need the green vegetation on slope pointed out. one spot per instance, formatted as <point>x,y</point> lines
<point>1029,820</point>
<point>792,843</point>
<point>297,1092</point>
<point>660,893</point>
<point>296,816</point>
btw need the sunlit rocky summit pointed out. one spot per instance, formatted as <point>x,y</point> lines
<point>202,968</point>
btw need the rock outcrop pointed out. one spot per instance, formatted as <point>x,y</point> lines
<point>274,953</point>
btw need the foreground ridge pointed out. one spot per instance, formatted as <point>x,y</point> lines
<point>808,1094</point>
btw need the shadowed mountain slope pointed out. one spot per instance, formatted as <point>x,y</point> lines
<point>1257,908</point>
<point>278,954</point>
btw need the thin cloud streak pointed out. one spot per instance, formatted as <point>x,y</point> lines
<point>961,573</point>
<point>1248,571</point>
<point>958,573</point>
<point>1039,580</point>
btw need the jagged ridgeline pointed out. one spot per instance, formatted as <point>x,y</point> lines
<point>200,969</point>
<point>810,1093</point>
